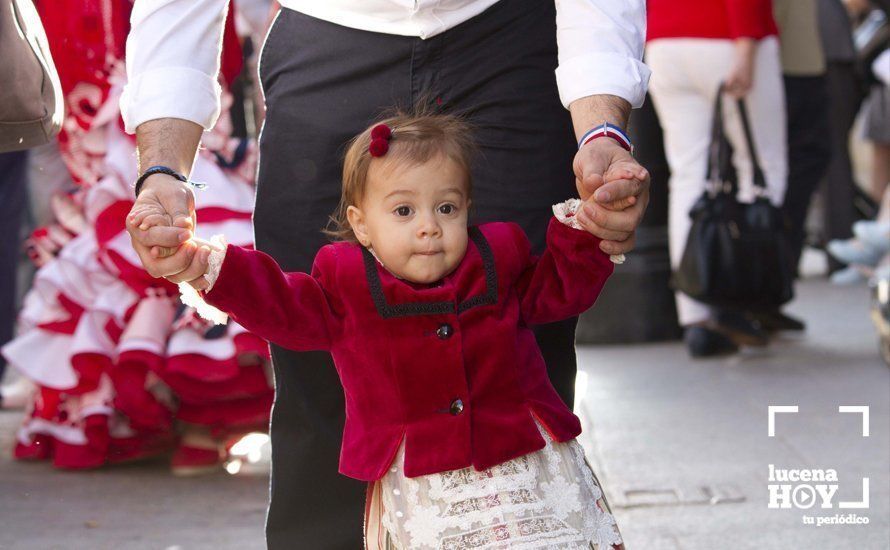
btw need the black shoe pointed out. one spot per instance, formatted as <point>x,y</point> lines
<point>775,321</point>
<point>741,329</point>
<point>704,342</point>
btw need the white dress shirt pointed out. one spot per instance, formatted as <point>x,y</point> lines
<point>173,49</point>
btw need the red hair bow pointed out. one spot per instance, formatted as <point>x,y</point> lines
<point>380,136</point>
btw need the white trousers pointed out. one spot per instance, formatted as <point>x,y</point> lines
<point>685,75</point>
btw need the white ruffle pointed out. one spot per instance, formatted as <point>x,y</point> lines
<point>190,297</point>
<point>565,213</point>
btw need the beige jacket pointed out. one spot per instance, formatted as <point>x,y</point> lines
<point>30,94</point>
<point>799,35</point>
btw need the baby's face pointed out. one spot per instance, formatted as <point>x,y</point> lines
<point>414,218</point>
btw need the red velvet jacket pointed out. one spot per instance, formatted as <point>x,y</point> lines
<point>452,368</point>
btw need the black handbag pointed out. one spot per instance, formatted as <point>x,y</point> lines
<point>737,255</point>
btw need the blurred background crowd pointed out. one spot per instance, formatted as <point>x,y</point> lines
<point>110,367</point>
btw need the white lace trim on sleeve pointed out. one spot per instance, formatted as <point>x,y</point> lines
<point>215,260</point>
<point>565,213</point>
<point>190,297</point>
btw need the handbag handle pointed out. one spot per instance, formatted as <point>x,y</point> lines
<point>759,178</point>
<point>718,171</point>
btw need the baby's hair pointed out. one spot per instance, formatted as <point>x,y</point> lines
<point>417,137</point>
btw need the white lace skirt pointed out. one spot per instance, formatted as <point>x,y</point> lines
<point>547,499</point>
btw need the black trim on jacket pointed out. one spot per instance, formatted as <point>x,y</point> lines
<point>387,310</point>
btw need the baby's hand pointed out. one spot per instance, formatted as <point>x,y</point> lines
<point>200,261</point>
<point>615,174</point>
<point>145,219</point>
<point>200,279</point>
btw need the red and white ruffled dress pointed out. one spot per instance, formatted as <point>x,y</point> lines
<point>115,356</point>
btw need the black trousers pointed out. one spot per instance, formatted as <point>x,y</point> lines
<point>323,84</point>
<point>845,94</point>
<point>809,152</point>
<point>13,202</point>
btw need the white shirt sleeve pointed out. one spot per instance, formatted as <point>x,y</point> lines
<point>173,57</point>
<point>601,49</point>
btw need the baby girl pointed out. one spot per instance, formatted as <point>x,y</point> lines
<point>450,415</point>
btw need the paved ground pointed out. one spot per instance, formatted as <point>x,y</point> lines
<point>666,435</point>
<point>136,506</point>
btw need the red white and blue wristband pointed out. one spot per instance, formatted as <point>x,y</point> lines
<point>609,131</point>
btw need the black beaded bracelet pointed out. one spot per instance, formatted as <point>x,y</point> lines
<point>168,171</point>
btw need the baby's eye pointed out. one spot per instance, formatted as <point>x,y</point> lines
<point>447,209</point>
<point>403,211</point>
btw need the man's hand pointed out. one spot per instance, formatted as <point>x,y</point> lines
<point>615,191</point>
<point>614,187</point>
<point>161,220</point>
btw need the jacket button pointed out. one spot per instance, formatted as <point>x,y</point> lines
<point>457,407</point>
<point>445,331</point>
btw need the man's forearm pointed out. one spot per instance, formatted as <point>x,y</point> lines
<point>594,110</point>
<point>170,142</point>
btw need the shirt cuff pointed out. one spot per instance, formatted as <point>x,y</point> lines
<point>603,73</point>
<point>171,92</point>
<point>565,214</point>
